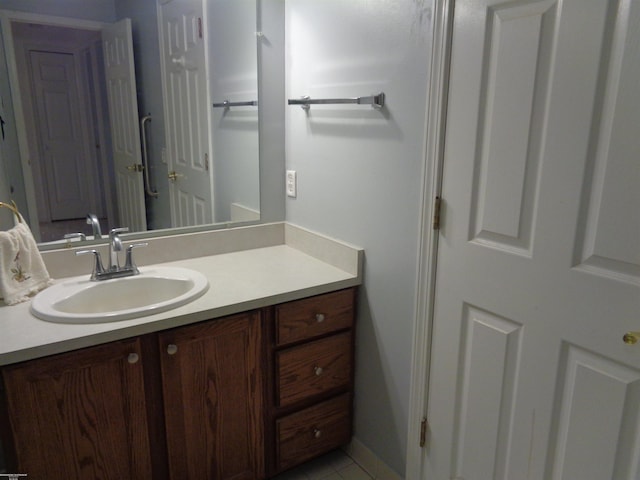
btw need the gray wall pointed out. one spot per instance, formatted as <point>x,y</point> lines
<point>359,179</point>
<point>271,94</point>
<point>233,73</point>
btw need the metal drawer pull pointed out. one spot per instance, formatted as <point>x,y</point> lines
<point>320,317</point>
<point>631,338</point>
<point>133,358</point>
<point>318,371</point>
<point>317,433</point>
<point>172,349</point>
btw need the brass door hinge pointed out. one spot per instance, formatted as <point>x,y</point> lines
<point>436,213</point>
<point>423,432</point>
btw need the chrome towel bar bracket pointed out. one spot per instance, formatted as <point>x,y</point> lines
<point>376,101</point>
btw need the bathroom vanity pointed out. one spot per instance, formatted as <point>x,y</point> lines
<point>251,379</point>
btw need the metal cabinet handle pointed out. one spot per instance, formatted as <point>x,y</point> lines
<point>318,370</point>
<point>133,358</point>
<point>320,317</point>
<point>317,433</point>
<point>172,349</point>
<point>631,338</point>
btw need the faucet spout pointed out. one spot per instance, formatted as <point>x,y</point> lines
<point>115,246</point>
<point>92,219</point>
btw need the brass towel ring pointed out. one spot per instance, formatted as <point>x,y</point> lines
<point>14,208</point>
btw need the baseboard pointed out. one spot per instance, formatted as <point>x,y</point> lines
<point>369,462</point>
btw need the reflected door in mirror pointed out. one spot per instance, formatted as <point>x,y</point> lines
<point>186,112</point>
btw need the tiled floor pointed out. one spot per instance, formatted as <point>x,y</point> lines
<point>335,465</point>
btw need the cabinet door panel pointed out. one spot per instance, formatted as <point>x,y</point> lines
<point>212,384</point>
<point>81,414</point>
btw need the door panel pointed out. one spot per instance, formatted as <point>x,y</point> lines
<point>212,385</point>
<point>187,111</point>
<point>125,133</point>
<point>538,256</point>
<point>63,144</point>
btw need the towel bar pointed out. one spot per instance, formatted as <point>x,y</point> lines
<point>14,208</point>
<point>376,101</point>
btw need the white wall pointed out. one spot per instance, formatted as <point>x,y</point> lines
<point>359,179</point>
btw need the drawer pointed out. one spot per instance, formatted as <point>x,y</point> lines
<point>311,317</point>
<point>313,368</point>
<point>313,431</point>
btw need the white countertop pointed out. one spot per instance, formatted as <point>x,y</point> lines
<point>238,281</point>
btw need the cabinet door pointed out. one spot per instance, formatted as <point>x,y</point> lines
<point>81,414</point>
<point>212,385</point>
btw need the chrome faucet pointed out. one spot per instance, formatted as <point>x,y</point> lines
<point>115,246</point>
<point>114,270</point>
<point>92,219</point>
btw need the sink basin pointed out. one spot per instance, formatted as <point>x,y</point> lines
<point>156,289</point>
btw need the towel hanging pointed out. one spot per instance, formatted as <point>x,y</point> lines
<point>22,270</point>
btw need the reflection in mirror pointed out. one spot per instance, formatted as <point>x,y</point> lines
<point>73,143</point>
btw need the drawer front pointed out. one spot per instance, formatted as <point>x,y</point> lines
<point>313,368</point>
<point>311,317</point>
<point>313,431</point>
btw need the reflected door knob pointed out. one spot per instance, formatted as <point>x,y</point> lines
<point>135,167</point>
<point>173,175</point>
<point>631,338</point>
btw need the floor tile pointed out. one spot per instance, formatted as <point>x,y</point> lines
<point>335,465</point>
<point>353,472</point>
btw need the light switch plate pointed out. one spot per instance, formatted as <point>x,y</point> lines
<point>292,186</point>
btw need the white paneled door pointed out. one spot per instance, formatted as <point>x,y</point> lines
<point>125,133</point>
<point>538,275</point>
<point>187,111</point>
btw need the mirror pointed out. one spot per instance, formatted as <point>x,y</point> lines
<point>202,161</point>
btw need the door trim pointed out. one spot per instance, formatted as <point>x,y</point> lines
<point>6,17</point>
<point>442,28</point>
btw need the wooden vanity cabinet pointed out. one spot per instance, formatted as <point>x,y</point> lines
<point>213,399</point>
<point>80,415</point>
<point>311,366</point>
<point>191,397</point>
<point>242,397</point>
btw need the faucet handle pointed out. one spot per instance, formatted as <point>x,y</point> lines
<point>69,236</point>
<point>98,269</point>
<point>129,258</point>
<point>115,231</point>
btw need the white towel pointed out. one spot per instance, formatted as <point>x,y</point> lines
<point>22,270</point>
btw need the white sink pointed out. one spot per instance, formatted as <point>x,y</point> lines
<point>154,290</point>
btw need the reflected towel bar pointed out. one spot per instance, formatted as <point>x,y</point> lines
<point>145,159</point>
<point>377,101</point>
<point>228,104</point>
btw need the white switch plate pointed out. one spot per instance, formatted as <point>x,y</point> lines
<point>292,186</point>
